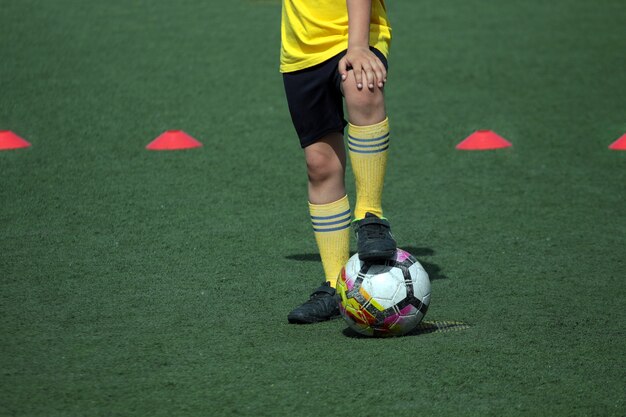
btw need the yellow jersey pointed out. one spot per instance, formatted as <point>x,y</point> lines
<point>313,31</point>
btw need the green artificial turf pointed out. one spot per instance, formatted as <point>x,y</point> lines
<point>158,283</point>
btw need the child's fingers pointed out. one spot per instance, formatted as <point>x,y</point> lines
<point>377,76</point>
<point>370,75</point>
<point>381,74</point>
<point>358,76</point>
<point>375,73</point>
<point>343,68</point>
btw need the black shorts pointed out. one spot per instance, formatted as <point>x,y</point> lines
<point>315,100</point>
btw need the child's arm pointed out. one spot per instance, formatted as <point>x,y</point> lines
<point>359,56</point>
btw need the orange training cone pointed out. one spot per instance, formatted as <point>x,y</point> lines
<point>483,140</point>
<point>172,140</point>
<point>620,144</point>
<point>9,140</point>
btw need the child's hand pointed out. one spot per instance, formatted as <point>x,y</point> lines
<point>366,66</point>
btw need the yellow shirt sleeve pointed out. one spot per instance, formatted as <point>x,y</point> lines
<point>314,31</point>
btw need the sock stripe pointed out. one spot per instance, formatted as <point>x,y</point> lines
<point>350,143</point>
<point>372,151</point>
<point>386,135</point>
<point>334,216</point>
<point>347,219</point>
<point>333,229</point>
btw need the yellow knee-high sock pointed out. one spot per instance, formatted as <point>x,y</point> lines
<point>368,155</point>
<point>331,225</point>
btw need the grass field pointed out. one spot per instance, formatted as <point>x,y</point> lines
<point>158,283</point>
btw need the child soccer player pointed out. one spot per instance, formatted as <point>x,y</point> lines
<point>333,50</point>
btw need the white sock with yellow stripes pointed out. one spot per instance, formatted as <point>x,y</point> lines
<point>368,156</point>
<point>331,225</point>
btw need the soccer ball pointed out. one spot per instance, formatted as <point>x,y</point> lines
<point>386,298</point>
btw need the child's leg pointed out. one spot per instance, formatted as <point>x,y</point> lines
<point>368,141</point>
<point>330,217</point>
<point>328,203</point>
<point>316,107</point>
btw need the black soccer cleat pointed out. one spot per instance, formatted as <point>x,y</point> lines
<point>321,306</point>
<point>374,239</point>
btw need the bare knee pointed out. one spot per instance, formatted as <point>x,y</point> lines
<point>323,166</point>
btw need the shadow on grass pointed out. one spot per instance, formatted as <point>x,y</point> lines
<point>433,270</point>
<point>424,327</point>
